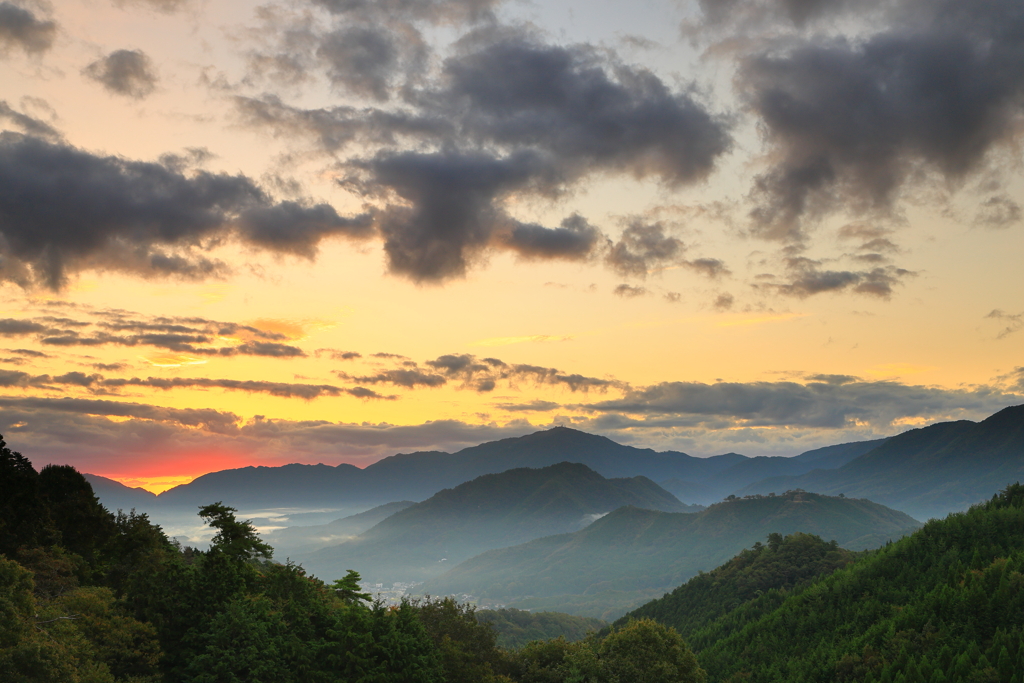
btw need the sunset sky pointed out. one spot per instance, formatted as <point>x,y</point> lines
<point>240,233</point>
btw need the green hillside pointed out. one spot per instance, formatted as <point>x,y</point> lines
<point>781,564</point>
<point>492,511</point>
<point>643,551</point>
<point>945,604</point>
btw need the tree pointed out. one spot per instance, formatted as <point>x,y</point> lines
<point>347,588</point>
<point>645,651</point>
<point>238,540</point>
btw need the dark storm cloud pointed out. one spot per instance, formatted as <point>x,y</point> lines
<point>575,239</point>
<point>851,124</point>
<point>510,116</point>
<point>450,211</point>
<point>124,72</point>
<point>294,228</point>
<point>62,209</point>
<point>826,404</point>
<point>582,107</point>
<point>28,124</point>
<point>19,27</point>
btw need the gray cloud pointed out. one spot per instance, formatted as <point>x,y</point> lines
<point>724,301</point>
<point>335,128</point>
<point>575,239</point>
<point>434,11</point>
<point>450,212</point>
<point>367,58</point>
<point>644,247</point>
<point>629,291</point>
<point>401,378</point>
<point>852,122</point>
<point>165,6</point>
<point>1013,322</point>
<point>28,124</point>
<point>538,406</point>
<point>62,209</point>
<point>124,72</point>
<point>280,389</point>
<point>510,116</point>
<point>826,404</point>
<point>11,327</point>
<point>999,212</point>
<point>20,28</point>
<point>806,278</point>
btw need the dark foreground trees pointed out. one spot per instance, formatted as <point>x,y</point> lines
<point>87,596</point>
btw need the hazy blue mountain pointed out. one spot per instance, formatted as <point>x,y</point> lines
<point>492,511</point>
<point>715,487</point>
<point>417,476</point>
<point>646,552</point>
<point>116,496</point>
<point>302,539</point>
<point>927,472</point>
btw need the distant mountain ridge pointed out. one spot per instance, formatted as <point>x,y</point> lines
<point>492,511</point>
<point>639,550</point>
<point>927,472</point>
<point>417,476</point>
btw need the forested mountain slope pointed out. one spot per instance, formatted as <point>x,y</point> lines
<point>945,604</point>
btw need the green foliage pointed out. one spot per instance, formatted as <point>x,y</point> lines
<point>24,516</point>
<point>782,564</point>
<point>347,588</point>
<point>468,648</point>
<point>237,540</point>
<point>644,651</point>
<point>516,627</point>
<point>79,637</point>
<point>949,598</point>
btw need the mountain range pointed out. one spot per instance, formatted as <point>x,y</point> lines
<point>417,476</point>
<point>926,472</point>
<point>491,511</point>
<point>643,552</point>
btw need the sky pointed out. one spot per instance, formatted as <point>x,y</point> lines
<point>242,233</point>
